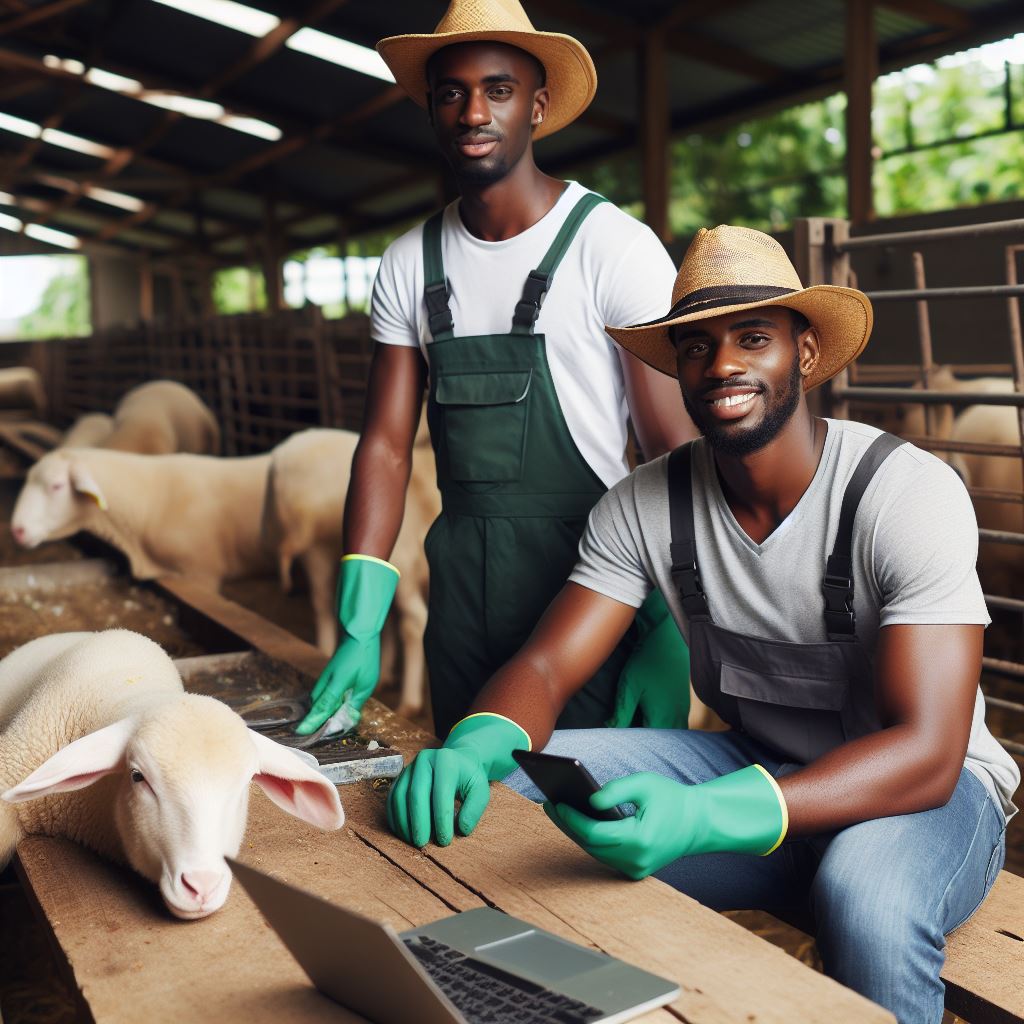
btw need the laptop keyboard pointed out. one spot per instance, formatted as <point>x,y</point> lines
<point>488,995</point>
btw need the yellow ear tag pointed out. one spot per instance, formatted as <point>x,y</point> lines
<point>99,499</point>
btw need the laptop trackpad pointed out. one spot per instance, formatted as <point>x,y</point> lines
<point>540,957</point>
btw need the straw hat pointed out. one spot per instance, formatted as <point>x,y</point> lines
<point>571,77</point>
<point>729,269</point>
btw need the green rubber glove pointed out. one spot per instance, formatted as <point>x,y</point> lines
<point>656,676</point>
<point>366,587</point>
<point>743,812</point>
<point>477,752</point>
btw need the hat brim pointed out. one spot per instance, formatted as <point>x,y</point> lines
<point>571,76</point>
<point>842,317</point>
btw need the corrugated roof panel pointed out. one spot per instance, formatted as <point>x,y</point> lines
<point>891,25</point>
<point>327,175</point>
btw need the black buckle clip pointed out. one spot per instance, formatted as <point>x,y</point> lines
<point>528,307</point>
<point>840,618</point>
<point>439,315</point>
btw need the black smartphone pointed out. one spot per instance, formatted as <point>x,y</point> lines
<point>564,780</point>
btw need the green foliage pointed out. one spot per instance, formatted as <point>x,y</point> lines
<point>942,141</point>
<point>64,309</point>
<point>239,290</point>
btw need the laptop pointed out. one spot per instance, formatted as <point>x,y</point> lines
<point>477,967</point>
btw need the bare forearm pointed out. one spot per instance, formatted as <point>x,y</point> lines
<point>376,498</point>
<point>926,679</point>
<point>896,771</point>
<point>576,635</point>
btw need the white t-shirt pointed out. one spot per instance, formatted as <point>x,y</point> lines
<point>915,544</point>
<point>615,272</point>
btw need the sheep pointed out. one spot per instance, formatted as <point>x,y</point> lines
<point>161,417</point>
<point>100,744</point>
<point>1000,566</point>
<point>21,387</point>
<point>188,515</point>
<point>88,431</point>
<point>302,518</point>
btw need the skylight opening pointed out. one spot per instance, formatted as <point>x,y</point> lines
<point>119,199</point>
<point>190,106</point>
<point>55,137</point>
<point>340,51</point>
<point>227,13</point>
<point>52,236</point>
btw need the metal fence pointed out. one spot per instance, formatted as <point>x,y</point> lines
<point>880,392</point>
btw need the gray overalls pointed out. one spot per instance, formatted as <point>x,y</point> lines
<point>800,700</point>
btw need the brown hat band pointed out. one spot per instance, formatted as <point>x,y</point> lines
<point>723,295</point>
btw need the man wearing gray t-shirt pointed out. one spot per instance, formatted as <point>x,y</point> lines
<point>823,574</point>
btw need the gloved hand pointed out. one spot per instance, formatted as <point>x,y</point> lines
<point>366,587</point>
<point>743,812</point>
<point>477,752</point>
<point>656,676</point>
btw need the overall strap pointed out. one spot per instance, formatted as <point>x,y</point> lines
<point>539,280</point>
<point>840,620</point>
<point>685,574</point>
<point>435,285</point>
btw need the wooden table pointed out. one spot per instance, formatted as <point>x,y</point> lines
<point>132,962</point>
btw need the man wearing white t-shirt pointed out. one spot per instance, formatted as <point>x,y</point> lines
<point>502,300</point>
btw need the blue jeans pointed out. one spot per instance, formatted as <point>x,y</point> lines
<point>880,896</point>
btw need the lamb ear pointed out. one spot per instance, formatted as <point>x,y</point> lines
<point>78,765</point>
<point>294,786</point>
<point>85,483</point>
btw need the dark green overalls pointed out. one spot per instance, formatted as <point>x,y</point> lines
<point>515,494</point>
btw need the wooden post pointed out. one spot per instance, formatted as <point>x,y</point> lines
<point>273,270</point>
<point>861,66</point>
<point>653,118</point>
<point>145,289</point>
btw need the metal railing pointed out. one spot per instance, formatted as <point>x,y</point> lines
<point>824,252</point>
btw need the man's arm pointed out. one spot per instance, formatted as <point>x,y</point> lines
<point>373,517</point>
<point>383,457</point>
<point>926,678</point>
<point>573,639</point>
<point>660,421</point>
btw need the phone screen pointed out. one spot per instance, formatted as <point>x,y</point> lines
<point>564,780</point>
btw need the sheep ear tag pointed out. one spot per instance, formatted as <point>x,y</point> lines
<point>78,765</point>
<point>85,483</point>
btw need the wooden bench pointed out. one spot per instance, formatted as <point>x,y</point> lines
<point>984,972</point>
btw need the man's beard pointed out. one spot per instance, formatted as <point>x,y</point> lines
<point>480,172</point>
<point>740,442</point>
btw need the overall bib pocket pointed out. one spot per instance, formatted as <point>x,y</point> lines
<point>484,416</point>
<point>800,717</point>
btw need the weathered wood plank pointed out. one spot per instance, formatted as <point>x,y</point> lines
<point>984,971</point>
<point>518,862</point>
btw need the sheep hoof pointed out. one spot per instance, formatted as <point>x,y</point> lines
<point>408,711</point>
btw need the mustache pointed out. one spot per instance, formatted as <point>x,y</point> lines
<point>732,382</point>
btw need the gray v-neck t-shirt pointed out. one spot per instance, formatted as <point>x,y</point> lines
<point>915,545</point>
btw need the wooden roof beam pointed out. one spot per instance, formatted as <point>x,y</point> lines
<point>932,12</point>
<point>37,15</point>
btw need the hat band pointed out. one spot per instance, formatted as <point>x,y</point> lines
<point>725,295</point>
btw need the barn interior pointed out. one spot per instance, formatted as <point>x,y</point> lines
<point>178,145</point>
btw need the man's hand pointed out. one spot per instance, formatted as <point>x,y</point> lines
<point>742,812</point>
<point>424,795</point>
<point>477,751</point>
<point>366,587</point>
<point>656,676</point>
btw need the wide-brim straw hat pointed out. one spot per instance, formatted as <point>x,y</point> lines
<point>571,77</point>
<point>729,269</point>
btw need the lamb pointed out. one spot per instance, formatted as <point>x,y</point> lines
<point>161,417</point>
<point>188,515</point>
<point>302,518</point>
<point>88,431</point>
<point>99,743</point>
<point>1000,566</point>
<point>21,387</point>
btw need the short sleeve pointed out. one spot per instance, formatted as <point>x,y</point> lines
<point>925,550</point>
<point>610,562</point>
<point>640,288</point>
<point>394,303</point>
